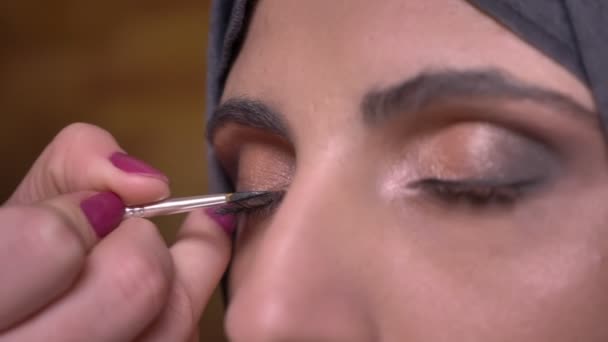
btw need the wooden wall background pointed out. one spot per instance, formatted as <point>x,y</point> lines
<point>134,68</point>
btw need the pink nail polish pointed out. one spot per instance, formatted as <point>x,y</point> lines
<point>226,221</point>
<point>104,212</point>
<point>133,165</point>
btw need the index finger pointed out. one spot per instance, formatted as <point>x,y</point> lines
<point>200,257</point>
<point>84,157</point>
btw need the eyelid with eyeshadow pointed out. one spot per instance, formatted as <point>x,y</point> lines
<point>475,162</point>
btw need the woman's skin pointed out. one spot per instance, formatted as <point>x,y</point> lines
<point>63,282</point>
<point>445,181</point>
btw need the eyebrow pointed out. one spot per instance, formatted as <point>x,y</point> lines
<point>433,87</point>
<point>247,112</point>
<point>414,94</point>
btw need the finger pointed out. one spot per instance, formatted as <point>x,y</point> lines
<point>196,336</point>
<point>123,288</point>
<point>200,257</point>
<point>85,157</point>
<point>43,247</point>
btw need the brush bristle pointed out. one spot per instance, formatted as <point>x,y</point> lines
<point>243,196</point>
<point>240,201</point>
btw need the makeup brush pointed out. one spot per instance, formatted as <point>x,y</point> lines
<point>185,204</point>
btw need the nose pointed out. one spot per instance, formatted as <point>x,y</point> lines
<point>299,278</point>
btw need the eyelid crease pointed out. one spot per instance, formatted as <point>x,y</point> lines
<point>512,117</point>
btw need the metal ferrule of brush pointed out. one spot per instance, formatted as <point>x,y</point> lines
<point>175,206</point>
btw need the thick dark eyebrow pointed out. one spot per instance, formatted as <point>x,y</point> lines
<point>433,87</point>
<point>247,112</point>
<point>412,95</point>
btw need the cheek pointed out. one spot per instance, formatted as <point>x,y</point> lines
<point>529,276</point>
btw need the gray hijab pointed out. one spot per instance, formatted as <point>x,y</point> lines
<point>572,32</point>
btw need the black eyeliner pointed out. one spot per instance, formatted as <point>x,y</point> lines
<point>266,202</point>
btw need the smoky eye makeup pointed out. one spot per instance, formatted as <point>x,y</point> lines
<point>260,206</point>
<point>477,163</point>
<point>261,165</point>
<point>254,159</point>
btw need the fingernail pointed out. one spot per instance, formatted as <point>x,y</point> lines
<point>104,212</point>
<point>133,165</point>
<point>226,221</point>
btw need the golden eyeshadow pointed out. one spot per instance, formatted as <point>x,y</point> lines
<point>254,159</point>
<point>264,167</point>
<point>471,151</point>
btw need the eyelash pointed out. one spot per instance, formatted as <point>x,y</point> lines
<point>477,193</point>
<point>257,206</point>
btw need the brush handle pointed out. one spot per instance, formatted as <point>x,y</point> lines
<point>175,206</point>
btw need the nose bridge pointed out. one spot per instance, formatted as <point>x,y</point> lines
<point>317,196</point>
<point>318,211</point>
<point>301,282</point>
<point>315,216</point>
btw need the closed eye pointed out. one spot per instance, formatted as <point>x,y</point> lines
<point>476,192</point>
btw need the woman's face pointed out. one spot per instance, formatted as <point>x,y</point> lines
<point>444,181</point>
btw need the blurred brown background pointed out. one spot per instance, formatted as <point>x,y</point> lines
<point>136,69</point>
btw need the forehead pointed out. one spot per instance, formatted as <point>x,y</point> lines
<point>306,56</point>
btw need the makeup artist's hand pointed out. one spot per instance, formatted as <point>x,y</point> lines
<point>63,279</point>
